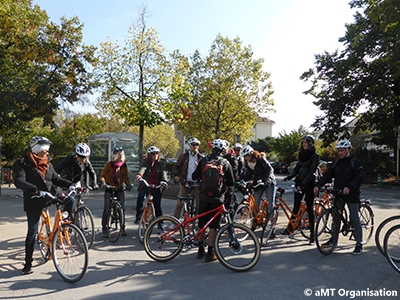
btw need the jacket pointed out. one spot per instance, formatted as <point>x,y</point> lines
<point>108,175</point>
<point>69,168</point>
<point>145,171</point>
<point>30,181</point>
<point>305,171</point>
<point>262,171</point>
<point>347,172</point>
<point>181,166</point>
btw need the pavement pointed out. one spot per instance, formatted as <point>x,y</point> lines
<point>288,267</point>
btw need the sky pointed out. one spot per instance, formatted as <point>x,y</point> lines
<point>287,34</point>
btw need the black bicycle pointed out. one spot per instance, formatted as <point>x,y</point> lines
<point>115,216</point>
<point>83,217</point>
<point>330,220</point>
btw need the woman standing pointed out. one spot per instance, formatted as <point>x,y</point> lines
<point>115,173</point>
<point>153,171</point>
<point>304,171</point>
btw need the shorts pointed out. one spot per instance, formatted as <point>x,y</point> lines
<point>207,206</point>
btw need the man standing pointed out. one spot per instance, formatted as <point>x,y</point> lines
<point>348,173</point>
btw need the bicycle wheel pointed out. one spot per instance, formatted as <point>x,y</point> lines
<point>84,220</point>
<point>234,254</point>
<point>147,216</point>
<point>367,222</point>
<point>163,239</point>
<point>382,229</point>
<point>42,238</point>
<point>304,225</point>
<point>70,253</point>
<point>324,233</point>
<point>268,227</point>
<point>115,220</point>
<point>244,215</point>
<point>392,247</point>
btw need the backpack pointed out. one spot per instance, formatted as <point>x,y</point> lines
<point>212,177</point>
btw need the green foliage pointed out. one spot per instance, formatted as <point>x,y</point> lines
<point>366,72</point>
<point>220,95</point>
<point>376,162</point>
<point>287,144</point>
<point>163,137</point>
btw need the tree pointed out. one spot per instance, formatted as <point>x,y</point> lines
<point>221,95</point>
<point>287,144</point>
<point>163,137</point>
<point>42,65</point>
<point>133,79</point>
<point>366,72</point>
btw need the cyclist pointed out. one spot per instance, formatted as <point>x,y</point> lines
<point>348,174</point>
<point>115,173</point>
<point>259,169</point>
<point>208,202</point>
<point>34,173</point>
<point>182,171</point>
<point>73,167</point>
<point>229,155</point>
<point>154,172</point>
<point>305,173</point>
<point>237,149</point>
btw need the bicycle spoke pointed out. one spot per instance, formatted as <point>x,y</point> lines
<point>392,247</point>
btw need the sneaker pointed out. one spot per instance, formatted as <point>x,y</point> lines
<point>27,270</point>
<point>328,244</point>
<point>286,232</point>
<point>273,235</point>
<point>211,256</point>
<point>104,233</point>
<point>123,232</point>
<point>201,253</point>
<point>136,221</point>
<point>357,249</point>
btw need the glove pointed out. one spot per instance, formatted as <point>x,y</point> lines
<point>129,187</point>
<point>71,188</point>
<point>102,184</point>
<point>95,187</point>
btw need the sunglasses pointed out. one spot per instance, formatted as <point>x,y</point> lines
<point>194,144</point>
<point>154,153</point>
<point>119,149</point>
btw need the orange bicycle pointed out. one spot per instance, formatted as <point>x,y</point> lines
<point>321,204</point>
<point>64,243</point>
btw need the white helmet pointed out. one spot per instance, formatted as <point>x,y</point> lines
<point>344,144</point>
<point>237,145</point>
<point>193,141</point>
<point>218,144</point>
<point>82,149</point>
<point>39,140</point>
<point>153,149</point>
<point>248,150</point>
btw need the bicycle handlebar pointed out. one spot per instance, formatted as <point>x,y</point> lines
<point>162,184</point>
<point>57,198</point>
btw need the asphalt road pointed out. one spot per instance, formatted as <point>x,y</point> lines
<point>288,267</point>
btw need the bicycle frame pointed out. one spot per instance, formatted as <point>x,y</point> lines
<point>259,214</point>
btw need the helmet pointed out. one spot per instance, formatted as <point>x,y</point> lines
<point>237,145</point>
<point>218,144</point>
<point>248,150</point>
<point>226,144</point>
<point>309,139</point>
<point>193,141</point>
<point>153,149</point>
<point>39,140</point>
<point>82,149</point>
<point>344,144</point>
<point>117,150</point>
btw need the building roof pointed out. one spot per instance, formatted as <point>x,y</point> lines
<point>114,136</point>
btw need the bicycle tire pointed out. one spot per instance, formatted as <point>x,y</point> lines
<point>324,232</point>
<point>304,225</point>
<point>42,238</point>
<point>84,220</point>
<point>147,216</point>
<point>268,228</point>
<point>392,247</point>
<point>233,254</point>
<point>70,253</point>
<point>382,229</point>
<point>367,222</point>
<point>244,215</point>
<point>115,219</point>
<point>163,239</point>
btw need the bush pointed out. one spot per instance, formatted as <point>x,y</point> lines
<point>375,162</point>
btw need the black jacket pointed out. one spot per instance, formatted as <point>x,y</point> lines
<point>347,172</point>
<point>262,171</point>
<point>29,180</point>
<point>145,171</point>
<point>69,169</point>
<point>305,170</point>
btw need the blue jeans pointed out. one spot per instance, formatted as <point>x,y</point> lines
<point>270,194</point>
<point>156,201</point>
<point>33,223</point>
<point>354,219</point>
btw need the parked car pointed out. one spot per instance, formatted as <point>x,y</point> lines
<point>280,167</point>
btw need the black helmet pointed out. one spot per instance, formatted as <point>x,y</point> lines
<point>309,139</point>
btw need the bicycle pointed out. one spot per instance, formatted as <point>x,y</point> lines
<point>392,247</point>
<point>65,244</point>
<point>115,216</point>
<point>321,204</point>
<point>83,217</point>
<point>331,219</point>
<point>235,246</point>
<point>148,212</point>
<point>383,229</point>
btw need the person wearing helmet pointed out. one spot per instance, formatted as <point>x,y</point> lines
<point>182,171</point>
<point>305,173</point>
<point>115,173</point>
<point>348,174</point>
<point>75,166</point>
<point>154,172</point>
<point>34,173</point>
<point>237,149</point>
<point>257,168</point>
<point>208,202</point>
<point>229,155</point>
